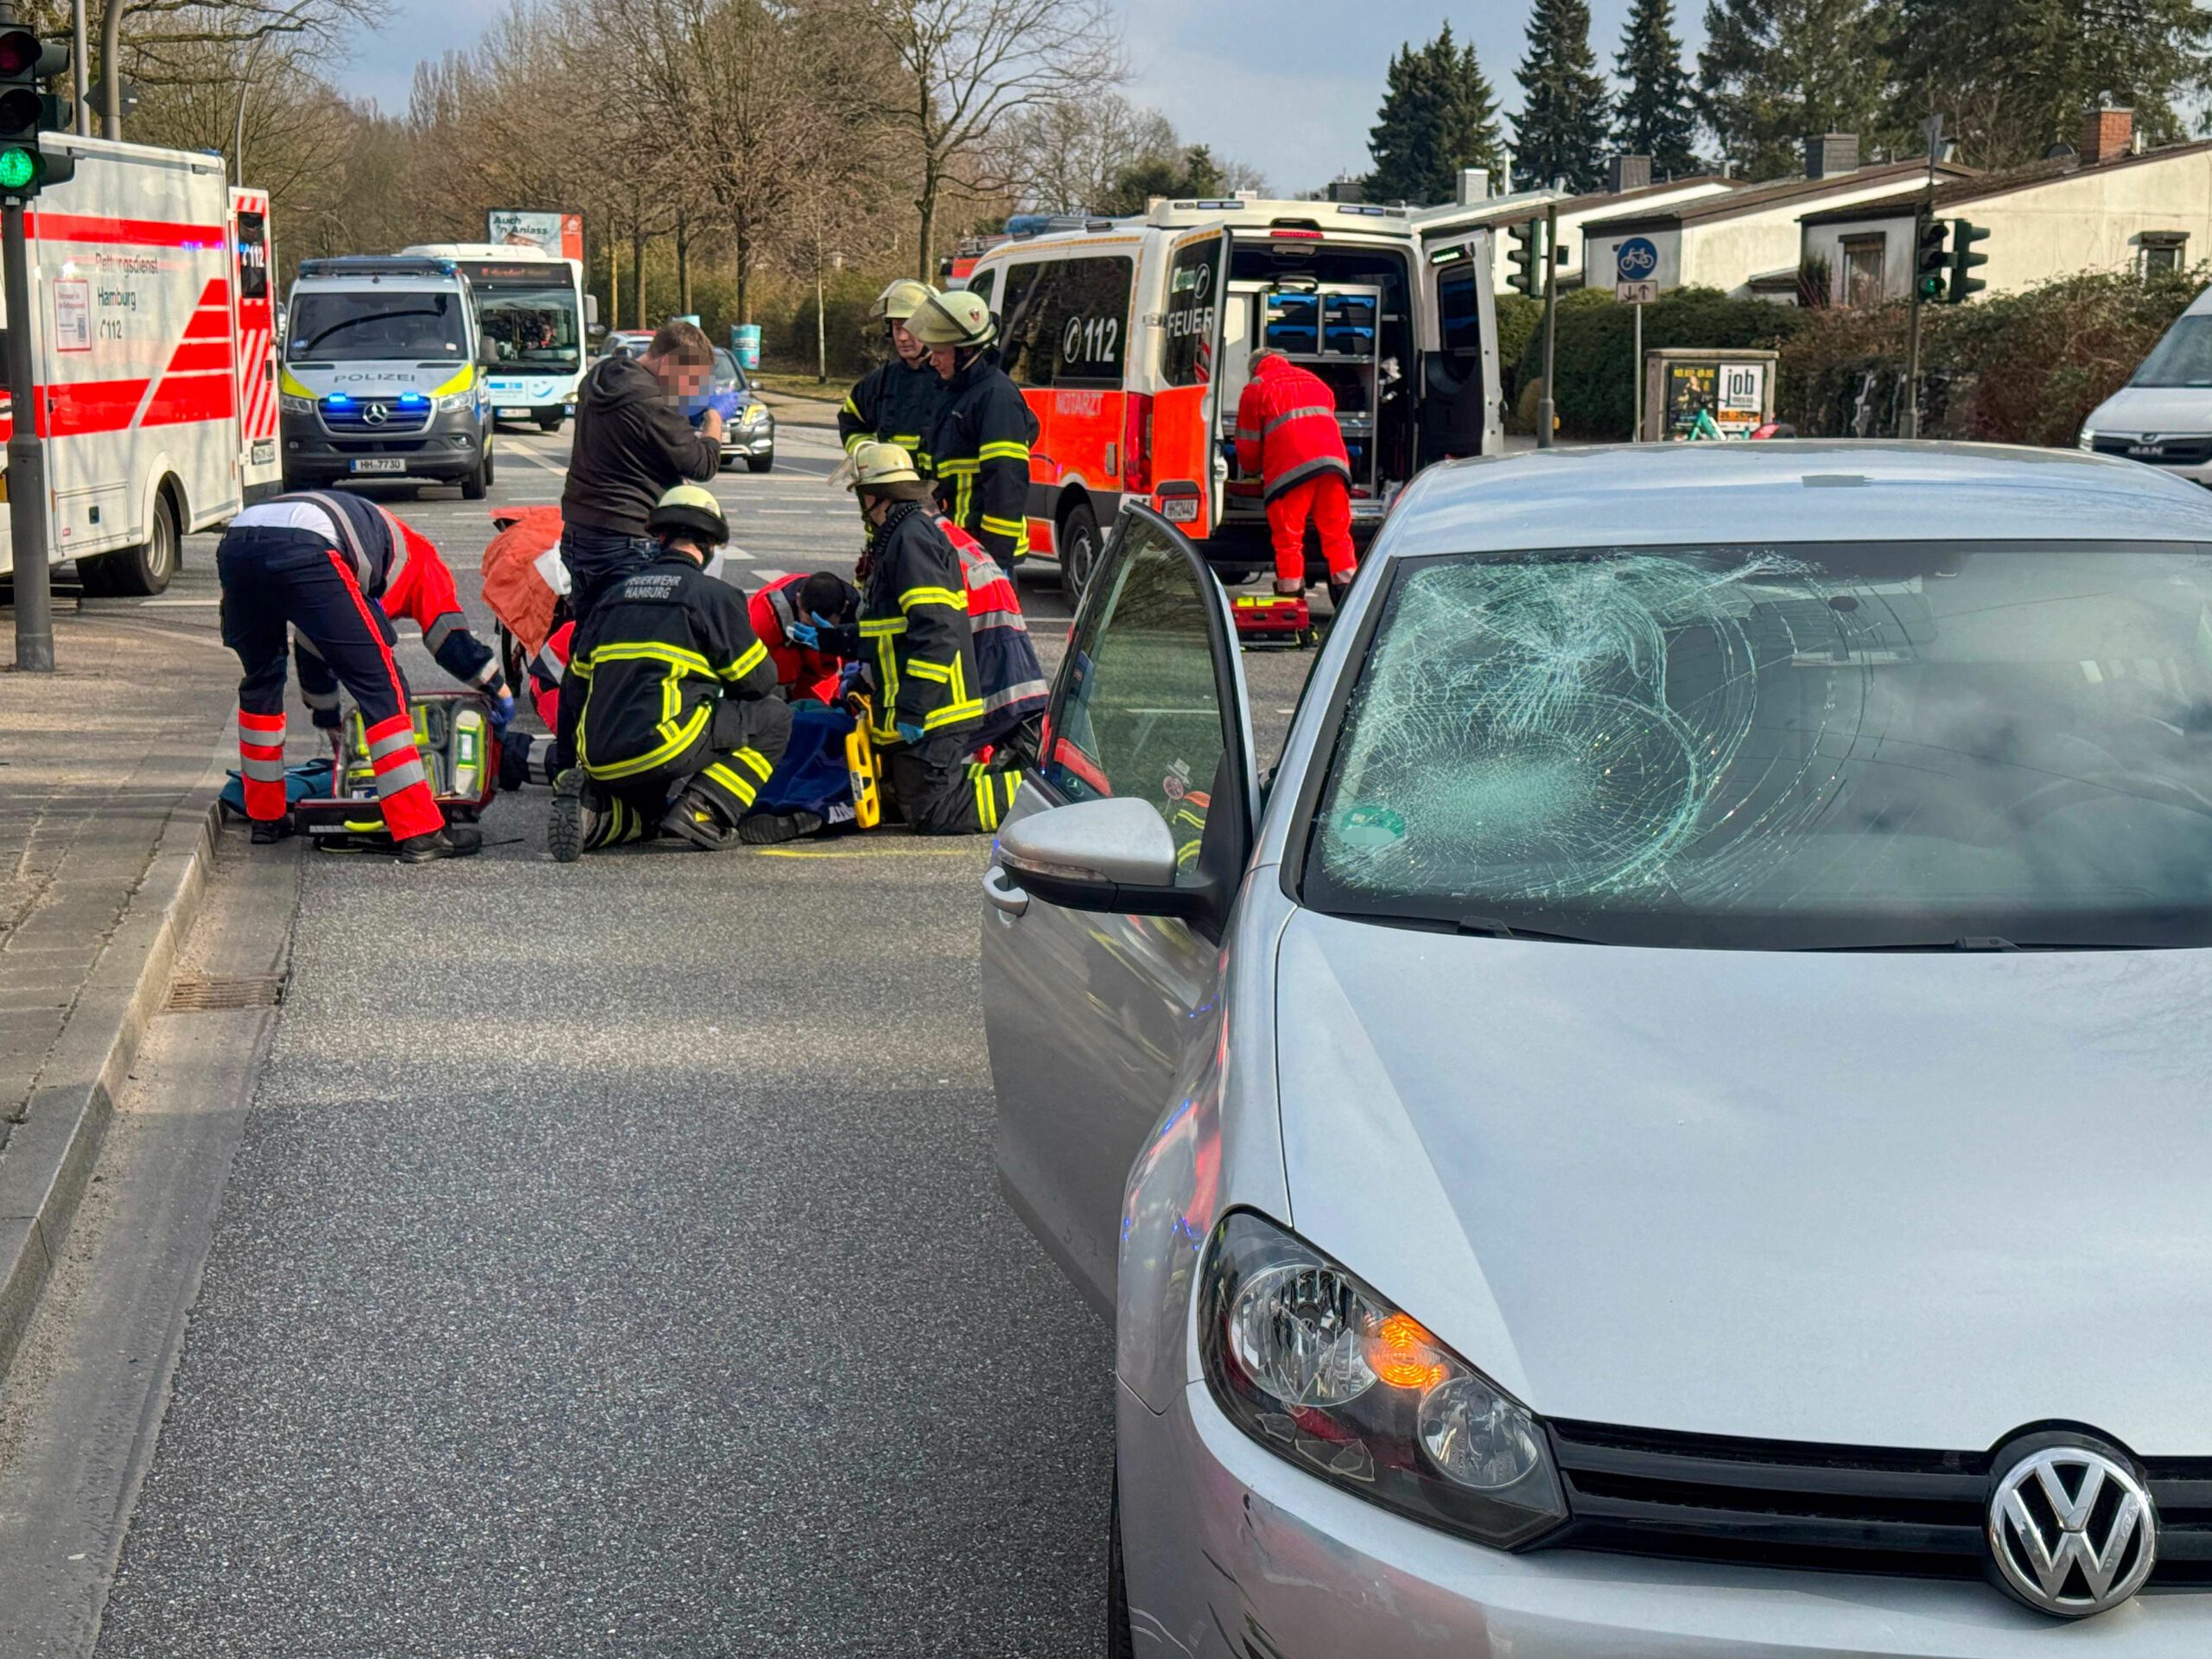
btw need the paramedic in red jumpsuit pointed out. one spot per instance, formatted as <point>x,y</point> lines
<point>1287,437</point>
<point>331,567</point>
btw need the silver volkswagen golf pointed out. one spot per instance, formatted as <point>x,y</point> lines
<point>1675,1120</point>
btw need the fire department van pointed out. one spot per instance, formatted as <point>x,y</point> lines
<point>154,364</point>
<point>1130,338</point>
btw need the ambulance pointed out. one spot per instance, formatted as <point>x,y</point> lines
<point>1130,337</point>
<point>153,363</point>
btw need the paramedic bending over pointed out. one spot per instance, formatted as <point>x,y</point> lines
<point>1287,437</point>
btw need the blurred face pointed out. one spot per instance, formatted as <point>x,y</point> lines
<point>682,378</point>
<point>945,360</point>
<point>905,344</point>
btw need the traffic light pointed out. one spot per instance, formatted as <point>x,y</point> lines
<point>1964,259</point>
<point>1526,257</point>
<point>27,110</point>
<point>1929,259</point>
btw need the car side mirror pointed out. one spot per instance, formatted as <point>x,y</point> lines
<point>1115,855</point>
<point>487,354</point>
<point>591,313</point>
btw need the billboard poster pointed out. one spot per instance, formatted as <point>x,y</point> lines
<point>518,227</point>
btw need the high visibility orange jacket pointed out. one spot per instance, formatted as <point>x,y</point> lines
<point>1287,428</point>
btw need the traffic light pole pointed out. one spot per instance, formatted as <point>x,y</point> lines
<point>1544,404</point>
<point>26,479</point>
<point>1909,416</point>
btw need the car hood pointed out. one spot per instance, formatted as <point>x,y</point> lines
<point>2133,411</point>
<point>1913,1200</point>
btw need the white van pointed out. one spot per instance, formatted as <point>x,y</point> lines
<point>380,375</point>
<point>2163,414</point>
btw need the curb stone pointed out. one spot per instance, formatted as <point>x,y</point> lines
<point>50,1154</point>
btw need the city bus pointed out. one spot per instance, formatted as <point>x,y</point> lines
<point>532,307</point>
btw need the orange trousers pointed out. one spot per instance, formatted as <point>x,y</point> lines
<point>1325,499</point>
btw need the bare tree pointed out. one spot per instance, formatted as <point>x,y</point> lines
<point>1062,156</point>
<point>965,65</point>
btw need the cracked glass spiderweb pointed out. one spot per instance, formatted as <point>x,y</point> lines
<point>1597,726</point>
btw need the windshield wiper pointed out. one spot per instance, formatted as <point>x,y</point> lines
<point>1985,941</point>
<point>1490,927</point>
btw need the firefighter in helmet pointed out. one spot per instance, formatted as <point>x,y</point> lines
<point>680,698</point>
<point>897,401</point>
<point>980,448</point>
<point>918,651</point>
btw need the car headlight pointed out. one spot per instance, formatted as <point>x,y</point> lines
<point>1328,1375</point>
<point>755,412</point>
<point>454,401</point>
<point>292,405</point>
<point>2087,440</point>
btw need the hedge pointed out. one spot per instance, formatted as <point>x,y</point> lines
<point>2017,368</point>
<point>1595,358</point>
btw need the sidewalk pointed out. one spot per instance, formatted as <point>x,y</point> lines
<point>108,772</point>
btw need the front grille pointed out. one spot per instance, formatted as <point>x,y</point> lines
<point>354,418</point>
<point>2158,452</point>
<point>1841,1508</point>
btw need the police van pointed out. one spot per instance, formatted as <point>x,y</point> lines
<point>380,375</point>
<point>1129,338</point>
<point>151,357</point>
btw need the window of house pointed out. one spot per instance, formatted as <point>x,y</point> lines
<point>1862,269</point>
<point>2163,250</point>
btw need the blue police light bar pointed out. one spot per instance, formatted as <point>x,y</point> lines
<point>338,400</point>
<point>412,400</point>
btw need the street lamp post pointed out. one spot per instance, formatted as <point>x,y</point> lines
<point>112,70</point>
<point>80,71</point>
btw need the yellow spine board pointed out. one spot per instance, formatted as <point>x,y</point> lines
<point>861,764</point>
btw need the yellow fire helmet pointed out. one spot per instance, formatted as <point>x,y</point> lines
<point>901,300</point>
<point>692,509</point>
<point>955,318</point>
<point>870,465</point>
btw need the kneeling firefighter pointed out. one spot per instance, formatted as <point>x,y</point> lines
<point>918,654</point>
<point>679,694</point>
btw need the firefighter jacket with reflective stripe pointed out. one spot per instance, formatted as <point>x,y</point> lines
<point>399,567</point>
<point>802,670</point>
<point>980,455</point>
<point>1007,672</point>
<point>914,634</point>
<point>894,403</point>
<point>1287,428</point>
<point>661,648</point>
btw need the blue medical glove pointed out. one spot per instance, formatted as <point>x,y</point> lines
<point>503,708</point>
<point>803,633</point>
<point>912,734</point>
<point>726,404</point>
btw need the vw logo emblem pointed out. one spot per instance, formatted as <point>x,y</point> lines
<point>375,415</point>
<point>2073,1530</point>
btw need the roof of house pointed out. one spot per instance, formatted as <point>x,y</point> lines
<point>1758,198</point>
<point>1960,191</point>
<point>1601,201</point>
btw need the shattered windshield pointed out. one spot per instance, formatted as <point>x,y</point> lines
<point>1823,745</point>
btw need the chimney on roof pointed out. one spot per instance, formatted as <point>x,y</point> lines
<point>1347,190</point>
<point>1474,185</point>
<point>1831,155</point>
<point>1626,173</point>
<point>2108,133</point>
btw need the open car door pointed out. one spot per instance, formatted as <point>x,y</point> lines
<point>1089,1003</point>
<point>1187,469</point>
<point>1458,335</point>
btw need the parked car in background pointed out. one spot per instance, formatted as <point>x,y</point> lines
<point>1671,1121</point>
<point>625,342</point>
<point>2163,414</point>
<point>751,433</point>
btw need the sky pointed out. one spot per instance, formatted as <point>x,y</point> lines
<point>1289,87</point>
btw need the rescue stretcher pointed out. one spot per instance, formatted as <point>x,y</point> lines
<point>460,760</point>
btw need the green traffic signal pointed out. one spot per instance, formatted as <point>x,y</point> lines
<point>1523,254</point>
<point>17,168</point>
<point>26,61</point>
<point>1929,258</point>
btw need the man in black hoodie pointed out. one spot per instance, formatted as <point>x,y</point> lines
<point>632,446</point>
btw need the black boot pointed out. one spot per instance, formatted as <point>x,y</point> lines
<point>693,817</point>
<point>766,829</point>
<point>269,831</point>
<point>455,841</point>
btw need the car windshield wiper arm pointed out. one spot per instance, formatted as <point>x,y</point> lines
<point>1985,941</point>
<point>1490,927</point>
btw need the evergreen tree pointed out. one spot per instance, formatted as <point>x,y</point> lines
<point>1439,115</point>
<point>1654,115</point>
<point>1774,73</point>
<point>1560,132</point>
<point>2014,77</point>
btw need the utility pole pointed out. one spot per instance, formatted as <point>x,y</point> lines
<point>112,70</point>
<point>1545,403</point>
<point>80,69</point>
<point>1909,419</point>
